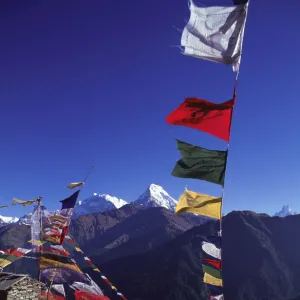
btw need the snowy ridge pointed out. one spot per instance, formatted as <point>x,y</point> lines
<point>285,211</point>
<point>98,203</point>
<point>8,220</point>
<point>156,196</point>
<point>25,220</point>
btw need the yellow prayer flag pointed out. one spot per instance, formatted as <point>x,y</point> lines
<point>23,202</point>
<point>96,270</point>
<point>199,204</point>
<point>4,262</point>
<point>37,242</point>
<point>113,287</point>
<point>75,184</point>
<point>212,280</point>
<point>78,249</point>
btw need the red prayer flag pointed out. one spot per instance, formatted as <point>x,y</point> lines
<point>215,263</point>
<point>203,115</point>
<point>81,295</point>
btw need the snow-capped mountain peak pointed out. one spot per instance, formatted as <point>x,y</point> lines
<point>285,211</point>
<point>8,220</point>
<point>98,203</point>
<point>114,200</point>
<point>156,196</point>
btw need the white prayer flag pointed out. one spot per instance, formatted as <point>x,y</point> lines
<point>211,250</point>
<point>215,33</point>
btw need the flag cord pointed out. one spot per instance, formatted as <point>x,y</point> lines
<point>89,173</point>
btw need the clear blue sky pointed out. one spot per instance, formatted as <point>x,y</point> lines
<point>84,80</point>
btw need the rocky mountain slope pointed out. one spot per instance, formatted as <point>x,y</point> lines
<point>261,261</point>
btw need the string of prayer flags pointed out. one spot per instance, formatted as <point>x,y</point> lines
<point>75,185</point>
<point>10,255</point>
<point>215,33</point>
<point>200,204</point>
<point>203,115</point>
<point>200,163</point>
<point>70,242</point>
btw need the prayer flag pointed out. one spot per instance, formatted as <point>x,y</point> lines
<point>70,201</point>
<point>219,297</point>
<point>215,290</point>
<point>200,204</point>
<point>212,272</point>
<point>215,33</point>
<point>81,295</point>
<point>75,184</point>
<point>211,250</point>
<point>212,280</point>
<point>200,163</point>
<point>203,115</point>
<point>216,263</point>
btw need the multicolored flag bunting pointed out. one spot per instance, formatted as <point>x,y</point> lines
<point>215,33</point>
<point>200,204</point>
<point>203,115</point>
<point>72,244</point>
<point>200,163</point>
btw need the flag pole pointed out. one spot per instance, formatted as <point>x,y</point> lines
<point>39,199</point>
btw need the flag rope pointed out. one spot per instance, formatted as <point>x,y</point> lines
<point>104,278</point>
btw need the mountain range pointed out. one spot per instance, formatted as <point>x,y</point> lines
<point>148,252</point>
<point>154,196</point>
<point>162,259</point>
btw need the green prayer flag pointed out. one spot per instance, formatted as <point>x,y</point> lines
<point>211,271</point>
<point>200,163</point>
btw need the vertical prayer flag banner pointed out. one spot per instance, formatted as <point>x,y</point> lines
<point>56,224</point>
<point>212,280</point>
<point>200,163</point>
<point>200,204</point>
<point>215,33</point>
<point>203,115</point>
